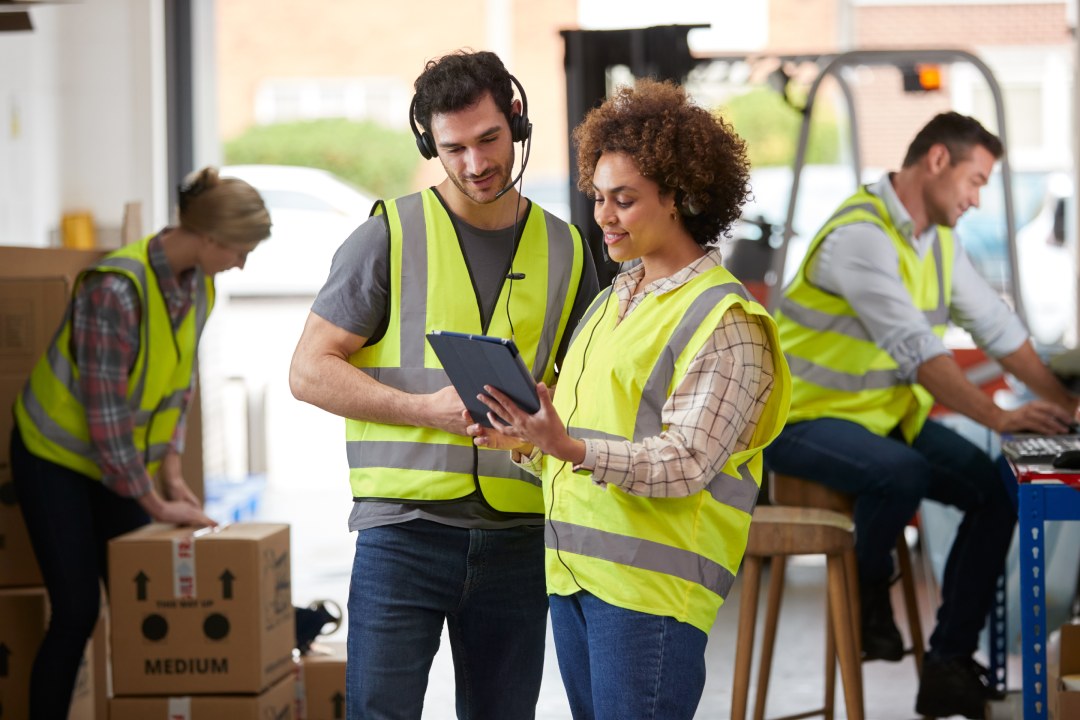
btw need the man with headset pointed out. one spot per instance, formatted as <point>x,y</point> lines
<point>447,531</point>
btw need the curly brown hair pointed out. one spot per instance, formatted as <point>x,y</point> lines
<point>681,147</point>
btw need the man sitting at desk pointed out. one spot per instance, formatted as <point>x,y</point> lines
<point>861,325</point>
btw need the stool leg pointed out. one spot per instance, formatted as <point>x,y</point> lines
<point>744,641</point>
<point>829,710</point>
<point>851,580</point>
<point>778,566</point>
<point>851,567</point>
<point>911,602</point>
<point>850,667</point>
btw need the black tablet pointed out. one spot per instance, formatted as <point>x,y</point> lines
<point>473,361</point>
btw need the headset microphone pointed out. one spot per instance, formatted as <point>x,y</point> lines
<point>515,276</point>
<point>527,145</point>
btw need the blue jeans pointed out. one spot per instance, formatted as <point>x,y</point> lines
<point>889,479</point>
<point>619,664</point>
<point>488,585</point>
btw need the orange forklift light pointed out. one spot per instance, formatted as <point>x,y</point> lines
<point>921,78</point>
<point>929,77</point>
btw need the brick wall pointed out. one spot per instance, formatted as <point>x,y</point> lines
<point>803,25</point>
<point>889,118</point>
<point>965,26</point>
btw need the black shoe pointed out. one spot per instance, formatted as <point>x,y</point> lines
<point>981,673</point>
<point>952,686</point>
<point>880,638</point>
<point>311,622</point>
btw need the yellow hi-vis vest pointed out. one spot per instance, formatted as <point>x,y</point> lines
<point>677,556</point>
<point>837,369</point>
<point>431,288</point>
<point>50,413</point>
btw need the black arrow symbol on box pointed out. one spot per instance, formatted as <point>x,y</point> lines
<point>226,584</point>
<point>339,705</point>
<point>4,653</point>
<point>141,581</point>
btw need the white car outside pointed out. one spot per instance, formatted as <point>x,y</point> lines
<point>313,212</point>
<point>1047,268</point>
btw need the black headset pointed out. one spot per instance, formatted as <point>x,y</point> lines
<point>520,127</point>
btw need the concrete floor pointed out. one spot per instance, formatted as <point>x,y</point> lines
<point>322,552</point>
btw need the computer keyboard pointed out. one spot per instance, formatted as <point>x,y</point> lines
<point>1038,449</point>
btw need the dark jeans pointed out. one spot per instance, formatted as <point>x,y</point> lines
<point>889,479</point>
<point>486,585</point>
<point>70,518</point>
<point>619,664</point>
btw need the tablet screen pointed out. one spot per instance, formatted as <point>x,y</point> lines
<point>473,361</point>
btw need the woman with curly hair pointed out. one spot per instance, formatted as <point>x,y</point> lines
<point>650,451</point>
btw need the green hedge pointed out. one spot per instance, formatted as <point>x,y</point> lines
<point>370,156</point>
<point>771,129</point>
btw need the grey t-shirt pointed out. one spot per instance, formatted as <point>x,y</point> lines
<point>354,299</point>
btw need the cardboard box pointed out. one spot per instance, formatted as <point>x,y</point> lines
<point>1065,702</point>
<point>22,627</point>
<point>200,612</point>
<point>320,689</point>
<point>23,618</point>
<point>30,310</point>
<point>277,703</point>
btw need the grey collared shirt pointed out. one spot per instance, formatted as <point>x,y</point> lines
<point>859,263</point>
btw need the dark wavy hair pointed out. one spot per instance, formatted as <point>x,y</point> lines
<point>457,81</point>
<point>959,133</point>
<point>682,147</point>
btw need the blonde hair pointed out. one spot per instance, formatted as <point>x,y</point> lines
<point>226,208</point>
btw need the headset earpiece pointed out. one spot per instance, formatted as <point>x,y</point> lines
<point>520,127</point>
<point>424,143</point>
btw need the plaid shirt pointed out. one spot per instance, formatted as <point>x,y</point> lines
<point>712,413</point>
<point>105,341</point>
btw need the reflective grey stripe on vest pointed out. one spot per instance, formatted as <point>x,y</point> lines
<point>410,380</point>
<point>858,207</point>
<point>847,325</point>
<point>639,553</point>
<point>847,382</point>
<point>137,269</point>
<point>589,434</point>
<point>172,402</point>
<point>404,455</point>
<point>156,452</point>
<point>414,282</point>
<point>740,493</point>
<point>49,427</point>
<point>560,265</point>
<point>597,303</point>
<point>655,392</point>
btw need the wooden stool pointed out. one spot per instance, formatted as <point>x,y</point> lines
<point>777,532</point>
<point>795,491</point>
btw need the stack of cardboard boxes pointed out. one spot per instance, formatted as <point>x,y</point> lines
<point>34,288</point>
<point>202,623</point>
